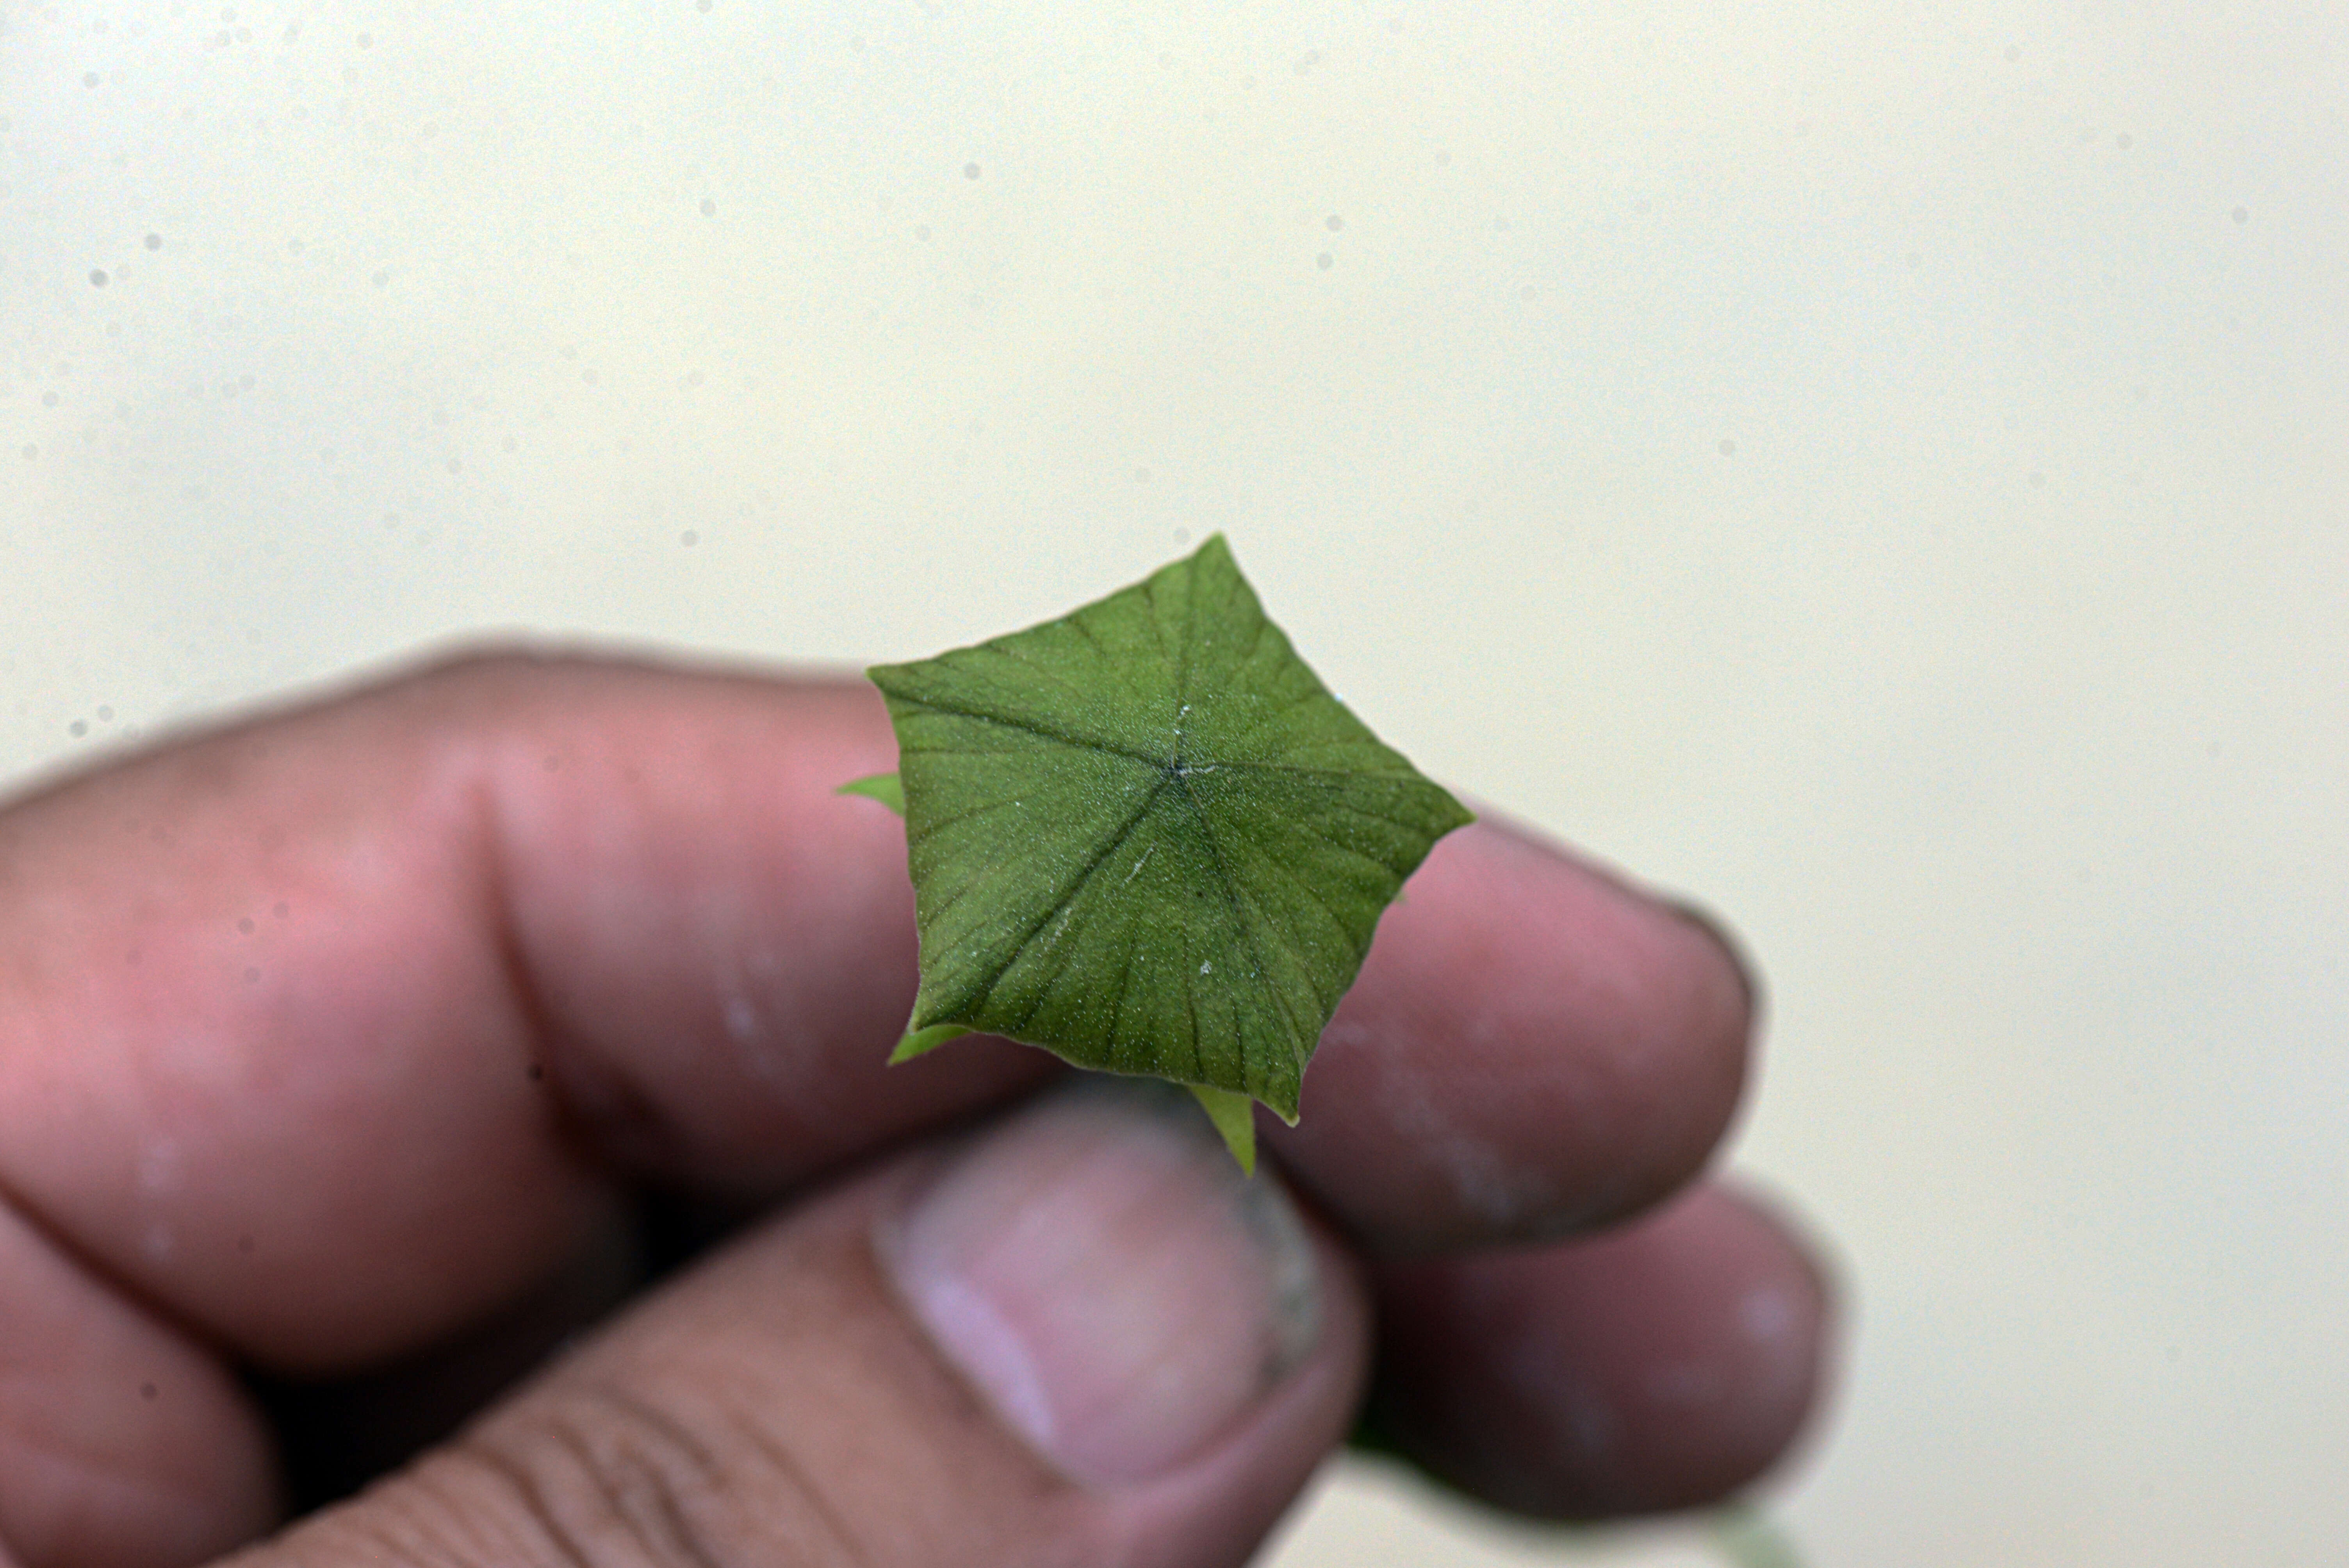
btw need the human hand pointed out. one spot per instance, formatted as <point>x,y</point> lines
<point>366,1052</point>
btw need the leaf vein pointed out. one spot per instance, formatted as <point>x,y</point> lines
<point>1029,726</point>
<point>1247,933</point>
<point>1068,892</point>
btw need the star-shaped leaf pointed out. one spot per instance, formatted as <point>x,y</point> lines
<point>1145,837</point>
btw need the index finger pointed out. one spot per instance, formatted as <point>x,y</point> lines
<point>330,1030</point>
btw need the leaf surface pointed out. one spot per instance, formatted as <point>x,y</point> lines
<point>1145,836</point>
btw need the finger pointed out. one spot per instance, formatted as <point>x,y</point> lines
<point>119,1442</point>
<point>330,1033</point>
<point>1655,1368</point>
<point>1533,1049</point>
<point>337,1434</point>
<point>1081,1338</point>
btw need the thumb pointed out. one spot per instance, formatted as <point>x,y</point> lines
<point>1080,1337</point>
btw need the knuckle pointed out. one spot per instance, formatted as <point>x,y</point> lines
<point>600,1477</point>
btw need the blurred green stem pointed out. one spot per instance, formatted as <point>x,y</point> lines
<point>1750,1541</point>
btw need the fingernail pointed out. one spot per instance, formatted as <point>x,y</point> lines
<point>1104,1276</point>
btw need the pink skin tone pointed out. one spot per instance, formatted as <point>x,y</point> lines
<point>335,1037</point>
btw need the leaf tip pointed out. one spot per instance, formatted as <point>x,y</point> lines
<point>1235,1118</point>
<point>1215,550</point>
<point>885,787</point>
<point>920,1042</point>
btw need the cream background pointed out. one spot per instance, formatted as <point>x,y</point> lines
<point>1880,468</point>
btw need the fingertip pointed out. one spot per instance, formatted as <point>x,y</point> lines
<point>1535,1047</point>
<point>120,1440</point>
<point>1736,961</point>
<point>1660,1366</point>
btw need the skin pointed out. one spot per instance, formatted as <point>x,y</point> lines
<point>354,1055</point>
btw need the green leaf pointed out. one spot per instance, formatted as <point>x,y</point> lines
<point>1145,837</point>
<point>1235,1117</point>
<point>1750,1541</point>
<point>919,1041</point>
<point>881,787</point>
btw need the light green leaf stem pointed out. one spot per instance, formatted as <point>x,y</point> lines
<point>1749,1540</point>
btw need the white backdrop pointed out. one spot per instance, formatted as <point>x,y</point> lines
<point>1882,470</point>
